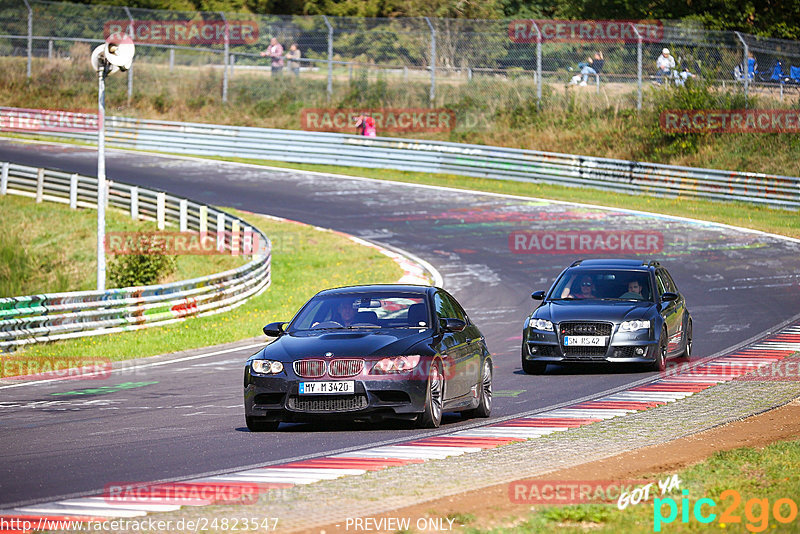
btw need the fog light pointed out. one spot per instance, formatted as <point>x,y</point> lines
<point>534,349</point>
<point>639,351</point>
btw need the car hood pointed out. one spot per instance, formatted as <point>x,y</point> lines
<point>596,310</point>
<point>351,343</point>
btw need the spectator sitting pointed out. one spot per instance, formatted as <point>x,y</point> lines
<point>752,68</point>
<point>682,76</point>
<point>665,63</point>
<point>593,66</point>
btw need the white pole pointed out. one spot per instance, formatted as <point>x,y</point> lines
<point>101,179</point>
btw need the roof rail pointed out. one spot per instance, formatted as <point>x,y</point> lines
<point>653,263</point>
<point>576,262</point>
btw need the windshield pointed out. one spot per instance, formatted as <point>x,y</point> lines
<point>363,310</point>
<point>604,285</point>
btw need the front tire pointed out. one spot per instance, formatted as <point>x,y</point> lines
<point>484,408</point>
<point>660,363</point>
<point>432,416</point>
<point>255,424</point>
<point>532,368</point>
<point>687,347</point>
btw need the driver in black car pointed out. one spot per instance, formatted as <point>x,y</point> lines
<point>346,313</point>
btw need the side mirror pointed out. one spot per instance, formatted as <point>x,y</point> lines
<point>274,329</point>
<point>537,295</point>
<point>452,325</point>
<point>669,297</point>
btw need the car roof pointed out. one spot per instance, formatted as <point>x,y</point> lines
<point>377,288</point>
<point>616,263</point>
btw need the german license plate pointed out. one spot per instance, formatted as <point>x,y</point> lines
<point>585,341</point>
<point>326,388</point>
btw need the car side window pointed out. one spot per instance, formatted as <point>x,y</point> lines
<point>457,309</point>
<point>663,286</point>
<point>446,307</point>
<point>670,282</point>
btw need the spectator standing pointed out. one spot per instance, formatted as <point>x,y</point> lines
<point>365,125</point>
<point>293,55</point>
<point>275,51</point>
<point>665,64</point>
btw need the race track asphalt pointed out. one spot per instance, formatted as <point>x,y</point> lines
<point>172,421</point>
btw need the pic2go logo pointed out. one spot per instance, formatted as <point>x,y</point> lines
<point>756,511</point>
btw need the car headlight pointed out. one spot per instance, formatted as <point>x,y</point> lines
<point>631,326</point>
<point>266,367</point>
<point>541,324</point>
<point>395,364</point>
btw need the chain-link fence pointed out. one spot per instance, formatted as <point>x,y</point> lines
<point>409,62</point>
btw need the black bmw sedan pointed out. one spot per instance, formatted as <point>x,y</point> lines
<point>369,353</point>
<point>620,311</point>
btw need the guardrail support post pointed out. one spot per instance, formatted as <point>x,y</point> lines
<point>135,203</point>
<point>203,219</point>
<point>130,70</point>
<point>73,191</point>
<point>432,96</point>
<point>330,56</point>
<point>225,59</point>
<point>247,241</point>
<point>184,215</point>
<point>235,238</point>
<point>4,179</point>
<point>220,231</point>
<point>745,67</point>
<point>638,67</point>
<point>161,210</point>
<point>39,185</point>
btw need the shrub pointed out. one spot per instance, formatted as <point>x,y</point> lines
<point>140,269</point>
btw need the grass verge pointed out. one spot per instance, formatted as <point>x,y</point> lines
<point>50,248</point>
<point>751,489</point>
<point>304,261</point>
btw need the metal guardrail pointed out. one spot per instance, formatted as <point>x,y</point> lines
<point>49,317</point>
<point>442,157</point>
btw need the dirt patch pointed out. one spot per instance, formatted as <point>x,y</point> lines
<point>490,506</point>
